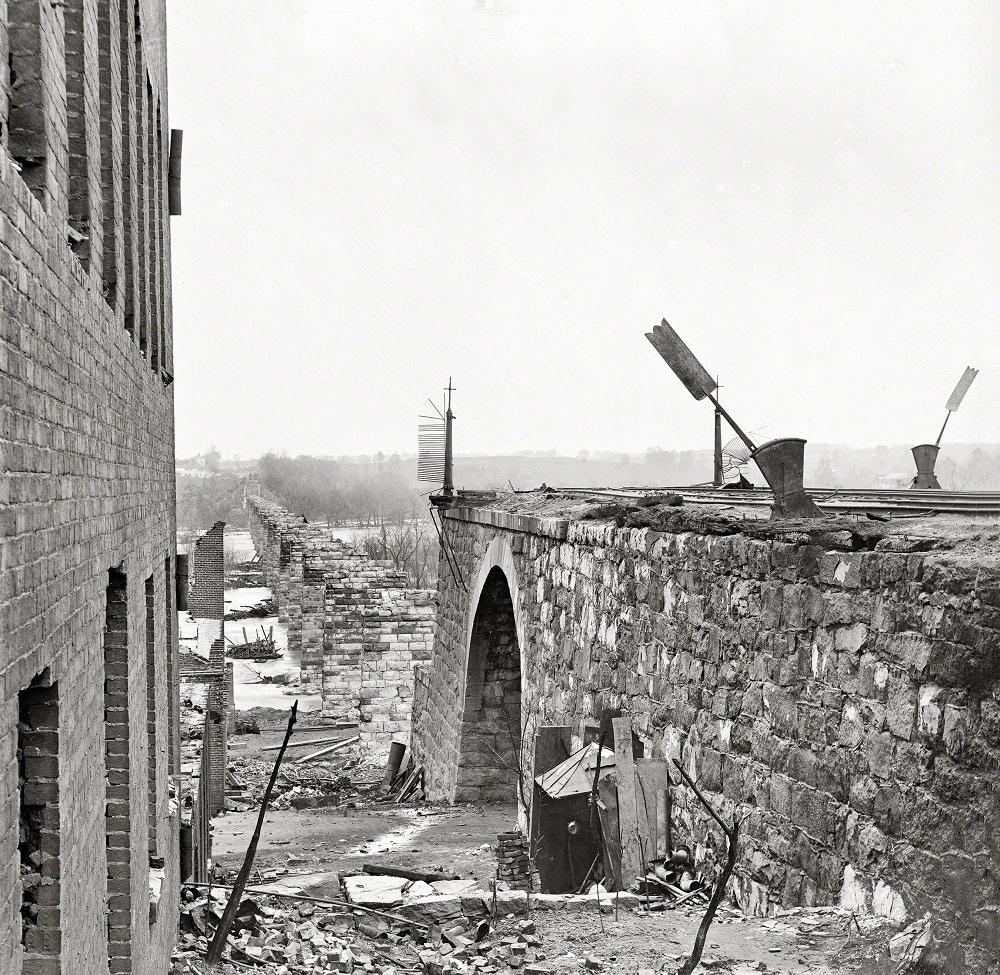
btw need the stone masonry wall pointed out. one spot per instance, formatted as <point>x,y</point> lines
<point>87,479</point>
<point>838,689</point>
<point>358,627</point>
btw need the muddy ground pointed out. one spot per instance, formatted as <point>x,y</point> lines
<point>314,842</point>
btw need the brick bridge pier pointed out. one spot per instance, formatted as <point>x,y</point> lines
<point>836,682</point>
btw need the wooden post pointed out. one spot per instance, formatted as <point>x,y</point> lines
<point>627,812</point>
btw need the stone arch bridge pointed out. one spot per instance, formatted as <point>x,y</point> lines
<point>836,682</point>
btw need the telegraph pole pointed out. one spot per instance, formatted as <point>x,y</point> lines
<point>448,489</point>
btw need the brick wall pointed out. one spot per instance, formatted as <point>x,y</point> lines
<point>838,686</point>
<point>87,486</point>
<point>359,628</point>
<point>206,596</point>
<point>206,603</point>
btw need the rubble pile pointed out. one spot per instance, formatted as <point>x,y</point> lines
<point>432,937</point>
<point>260,610</point>
<point>671,880</point>
<point>247,575</point>
<point>321,784</point>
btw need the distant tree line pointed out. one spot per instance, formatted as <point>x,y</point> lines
<point>371,495</point>
<point>202,501</point>
<point>342,492</point>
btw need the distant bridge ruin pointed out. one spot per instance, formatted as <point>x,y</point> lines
<point>358,625</point>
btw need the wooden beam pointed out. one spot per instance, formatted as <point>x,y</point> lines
<point>300,744</point>
<point>628,824</point>
<point>343,743</point>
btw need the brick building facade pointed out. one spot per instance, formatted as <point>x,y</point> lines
<point>88,642</point>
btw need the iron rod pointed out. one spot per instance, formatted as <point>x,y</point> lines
<point>717,471</point>
<point>937,443</point>
<point>739,432</point>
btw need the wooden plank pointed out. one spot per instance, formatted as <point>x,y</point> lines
<point>662,825</point>
<point>628,825</point>
<point>607,812</point>
<point>343,743</point>
<point>652,776</point>
<point>304,741</point>
<point>553,744</point>
<point>409,784</point>
<point>547,829</point>
<point>414,782</point>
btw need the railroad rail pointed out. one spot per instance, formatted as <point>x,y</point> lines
<point>831,500</point>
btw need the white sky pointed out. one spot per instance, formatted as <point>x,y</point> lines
<point>378,195</point>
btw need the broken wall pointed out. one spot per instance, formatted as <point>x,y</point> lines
<point>356,626</point>
<point>841,693</point>
<point>206,603</point>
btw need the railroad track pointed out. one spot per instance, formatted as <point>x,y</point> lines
<point>834,501</point>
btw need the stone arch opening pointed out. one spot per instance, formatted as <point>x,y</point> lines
<point>490,754</point>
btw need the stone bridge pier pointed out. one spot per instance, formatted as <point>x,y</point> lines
<point>357,627</point>
<point>837,683</point>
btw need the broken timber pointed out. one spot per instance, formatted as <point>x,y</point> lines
<point>343,743</point>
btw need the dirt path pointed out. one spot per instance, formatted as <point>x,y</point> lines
<point>800,943</point>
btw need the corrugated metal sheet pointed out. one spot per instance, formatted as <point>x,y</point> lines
<point>575,776</point>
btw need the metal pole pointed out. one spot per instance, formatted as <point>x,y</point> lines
<point>222,931</point>
<point>448,489</point>
<point>937,443</point>
<point>731,422</point>
<point>717,473</point>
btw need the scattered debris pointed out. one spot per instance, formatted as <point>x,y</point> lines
<point>261,610</point>
<point>261,648</point>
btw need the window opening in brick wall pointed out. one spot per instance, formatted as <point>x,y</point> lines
<point>118,817</point>
<point>151,707</point>
<point>76,125</point>
<point>26,138</point>
<point>149,189</point>
<point>107,29</point>
<point>38,826</point>
<point>126,21</point>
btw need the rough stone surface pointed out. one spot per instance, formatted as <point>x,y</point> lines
<point>839,689</point>
<point>87,479</point>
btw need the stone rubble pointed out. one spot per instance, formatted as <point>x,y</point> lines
<point>433,935</point>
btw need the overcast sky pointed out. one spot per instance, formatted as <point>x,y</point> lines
<point>378,195</point>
